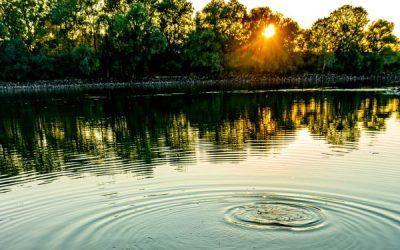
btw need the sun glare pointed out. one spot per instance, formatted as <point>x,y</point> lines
<point>269,31</point>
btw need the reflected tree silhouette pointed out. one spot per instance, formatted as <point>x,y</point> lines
<point>81,133</point>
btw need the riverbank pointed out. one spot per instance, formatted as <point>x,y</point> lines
<point>169,84</point>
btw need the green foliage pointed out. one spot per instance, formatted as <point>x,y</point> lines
<point>64,11</point>
<point>338,39</point>
<point>349,56</point>
<point>3,32</point>
<point>47,39</point>
<point>380,46</point>
<point>86,60</point>
<point>272,55</point>
<point>226,20</point>
<point>175,21</point>
<point>43,67</point>
<point>14,60</point>
<point>204,52</point>
<point>134,41</point>
<point>380,38</point>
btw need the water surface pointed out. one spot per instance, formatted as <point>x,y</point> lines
<point>292,170</point>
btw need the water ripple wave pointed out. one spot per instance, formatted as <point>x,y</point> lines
<point>175,217</point>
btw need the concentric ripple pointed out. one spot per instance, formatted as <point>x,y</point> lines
<point>266,215</point>
<point>180,216</point>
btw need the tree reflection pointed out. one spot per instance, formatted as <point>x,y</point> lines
<point>83,134</point>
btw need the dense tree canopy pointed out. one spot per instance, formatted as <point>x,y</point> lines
<point>272,54</point>
<point>125,39</point>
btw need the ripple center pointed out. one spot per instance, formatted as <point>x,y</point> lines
<point>275,215</point>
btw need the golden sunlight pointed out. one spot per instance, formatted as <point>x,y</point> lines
<point>269,31</point>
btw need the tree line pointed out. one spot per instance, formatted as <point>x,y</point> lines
<point>127,39</point>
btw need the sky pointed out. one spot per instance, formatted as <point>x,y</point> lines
<point>306,12</point>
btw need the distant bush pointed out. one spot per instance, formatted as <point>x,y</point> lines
<point>86,59</point>
<point>14,60</point>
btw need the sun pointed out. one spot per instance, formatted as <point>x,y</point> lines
<point>269,31</point>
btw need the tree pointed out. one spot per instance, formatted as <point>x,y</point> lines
<point>379,37</point>
<point>14,60</point>
<point>258,19</point>
<point>86,59</point>
<point>349,24</point>
<point>48,39</point>
<point>3,32</point>
<point>275,54</point>
<point>175,20</point>
<point>380,45</point>
<point>340,35</point>
<point>204,52</point>
<point>63,22</point>
<point>134,40</point>
<point>76,22</point>
<point>321,43</point>
<point>349,56</point>
<point>227,20</point>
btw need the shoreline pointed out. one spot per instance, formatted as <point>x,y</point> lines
<point>170,84</point>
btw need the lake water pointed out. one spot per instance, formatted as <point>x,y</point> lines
<point>276,170</point>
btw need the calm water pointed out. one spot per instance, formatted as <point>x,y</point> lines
<point>101,170</point>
